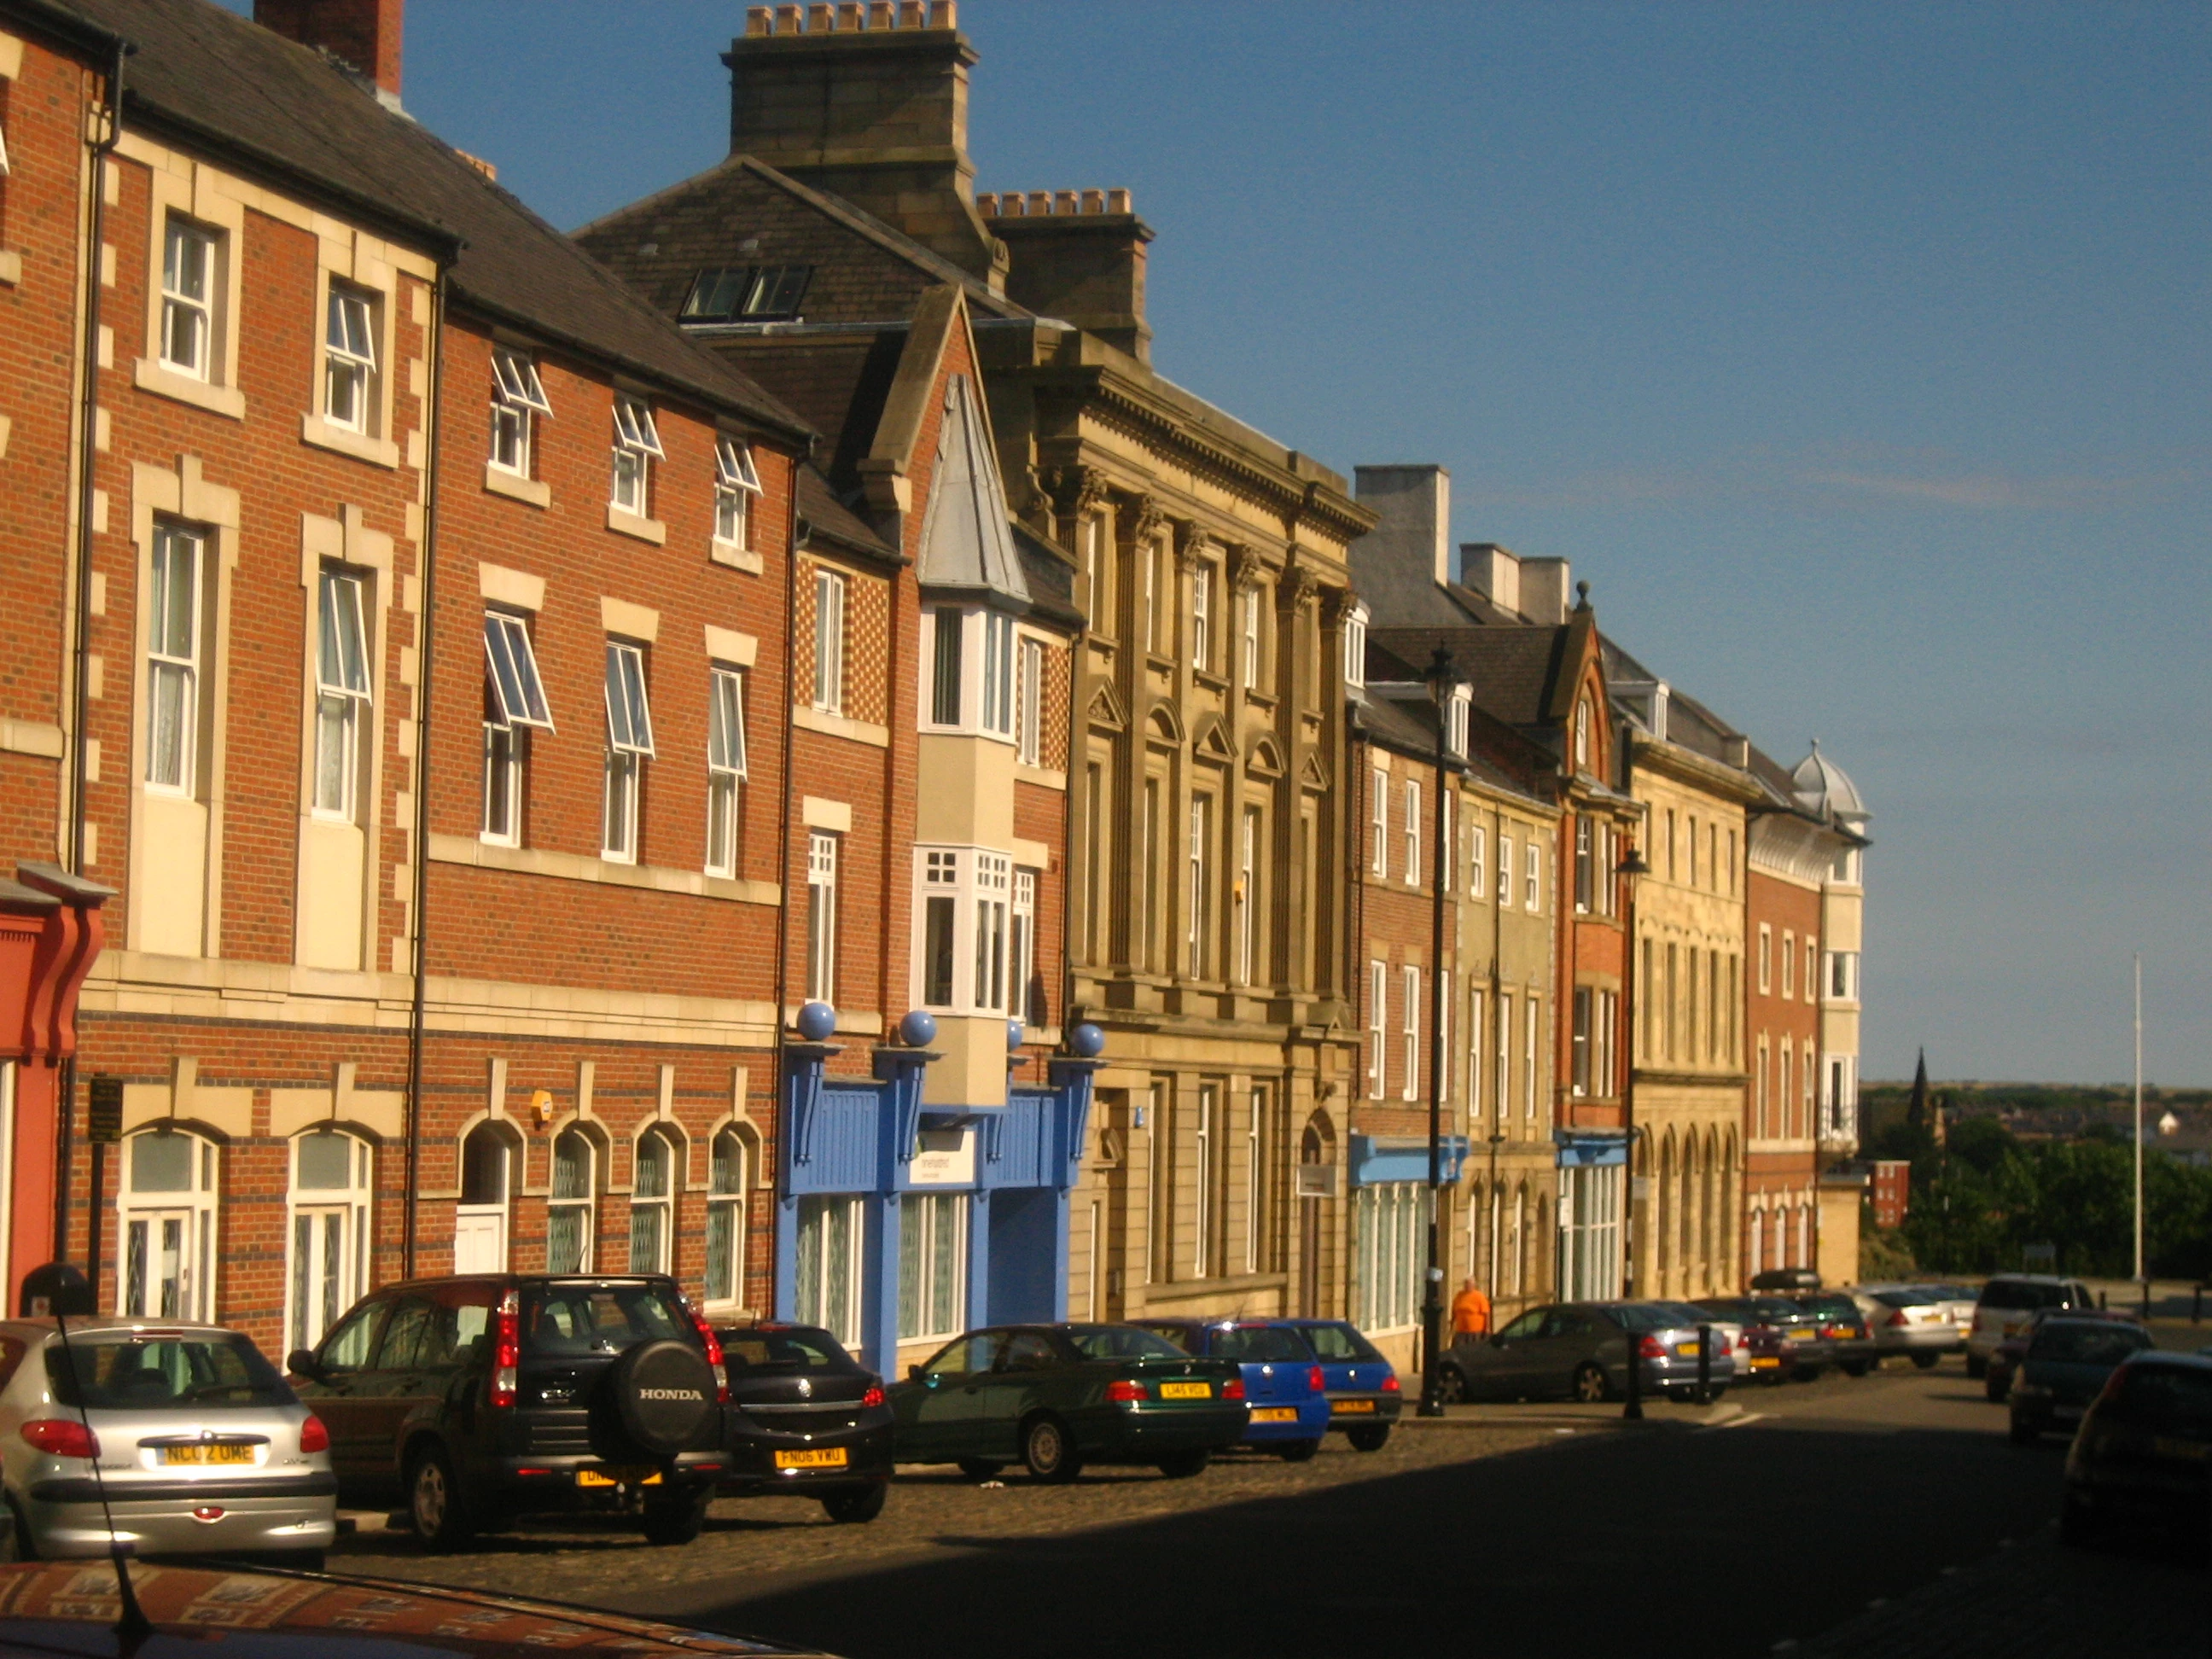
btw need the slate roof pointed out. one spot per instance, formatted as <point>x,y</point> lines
<point>289,113</point>
<point>1690,723</point>
<point>827,515</point>
<point>966,540</point>
<point>743,212</point>
<point>1510,671</point>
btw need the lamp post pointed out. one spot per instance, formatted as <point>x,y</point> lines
<point>1444,679</point>
<point>1630,866</point>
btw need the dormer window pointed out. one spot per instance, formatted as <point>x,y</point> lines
<point>746,293</point>
<point>637,446</point>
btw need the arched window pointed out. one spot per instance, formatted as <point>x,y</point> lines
<point>481,1219</point>
<point>652,1223</point>
<point>167,1210</point>
<point>329,1203</point>
<point>1582,735</point>
<point>725,1219</point>
<point>568,1207</point>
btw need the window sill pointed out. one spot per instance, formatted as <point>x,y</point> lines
<point>11,266</point>
<point>1256,698</point>
<point>1208,678</point>
<point>377,452</point>
<point>839,725</point>
<point>149,375</point>
<point>569,867</point>
<point>513,485</point>
<point>1044,777</point>
<point>738,558</point>
<point>631,524</point>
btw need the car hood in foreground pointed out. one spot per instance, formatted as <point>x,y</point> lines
<point>71,1608</point>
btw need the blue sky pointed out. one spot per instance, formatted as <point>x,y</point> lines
<point>1858,356</point>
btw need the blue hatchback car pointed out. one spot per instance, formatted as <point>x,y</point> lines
<point>1284,1383</point>
<point>1363,1395</point>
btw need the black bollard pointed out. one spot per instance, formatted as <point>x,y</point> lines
<point>1704,1364</point>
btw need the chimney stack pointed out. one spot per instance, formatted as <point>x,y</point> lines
<point>1492,571</point>
<point>869,103</point>
<point>1079,256</point>
<point>1544,591</point>
<point>362,34</point>
<point>1415,505</point>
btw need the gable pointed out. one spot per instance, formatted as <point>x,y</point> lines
<point>966,541</point>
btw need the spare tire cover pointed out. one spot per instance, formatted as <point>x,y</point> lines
<point>662,1394</point>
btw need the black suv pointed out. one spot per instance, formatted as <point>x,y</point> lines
<point>477,1399</point>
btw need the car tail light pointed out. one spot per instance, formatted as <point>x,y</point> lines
<point>506,1348</point>
<point>1835,1330</point>
<point>874,1396</point>
<point>1316,1382</point>
<point>62,1436</point>
<point>1651,1348</point>
<point>1743,1343</point>
<point>1897,1318</point>
<point>713,1351</point>
<point>1235,1390</point>
<point>313,1437</point>
<point>1123,1392</point>
<point>1390,1384</point>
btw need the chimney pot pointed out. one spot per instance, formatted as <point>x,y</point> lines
<point>881,14</point>
<point>364,33</point>
<point>909,13</point>
<point>759,20</point>
<point>988,205</point>
<point>1064,201</point>
<point>1094,201</point>
<point>1117,201</point>
<point>786,20</point>
<point>1039,203</point>
<point>943,15</point>
<point>821,18</point>
<point>848,15</point>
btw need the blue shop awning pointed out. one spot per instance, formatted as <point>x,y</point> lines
<point>1589,1148</point>
<point>1378,1159</point>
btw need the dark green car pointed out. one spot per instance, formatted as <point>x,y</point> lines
<point>1055,1397</point>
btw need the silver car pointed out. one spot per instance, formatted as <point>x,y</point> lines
<point>1916,1320</point>
<point>1579,1350</point>
<point>202,1446</point>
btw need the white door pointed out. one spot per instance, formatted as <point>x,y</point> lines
<point>480,1238</point>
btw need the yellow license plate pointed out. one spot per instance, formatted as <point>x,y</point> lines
<point>617,1476</point>
<point>1764,1362</point>
<point>205,1454</point>
<point>1186,1390</point>
<point>1689,1349</point>
<point>823,1458</point>
<point>1275,1414</point>
<point>1344,1406</point>
<point>1800,1336</point>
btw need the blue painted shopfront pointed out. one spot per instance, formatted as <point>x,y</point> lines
<point>870,1140</point>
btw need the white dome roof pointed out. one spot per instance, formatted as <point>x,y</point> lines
<point>1824,787</point>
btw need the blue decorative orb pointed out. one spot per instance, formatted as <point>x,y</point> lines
<point>919,1029</point>
<point>817,1020</point>
<point>1014,1031</point>
<point>1087,1040</point>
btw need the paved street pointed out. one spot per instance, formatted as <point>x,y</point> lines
<point>1777,1517</point>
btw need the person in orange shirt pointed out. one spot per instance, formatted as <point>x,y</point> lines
<point>1470,1311</point>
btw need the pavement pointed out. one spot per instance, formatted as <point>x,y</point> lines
<point>1884,1516</point>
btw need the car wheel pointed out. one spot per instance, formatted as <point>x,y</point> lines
<point>1589,1385</point>
<point>1297,1451</point>
<point>1183,1465</point>
<point>850,1508</point>
<point>1997,1386</point>
<point>1680,1394</point>
<point>1976,1368</point>
<point>1451,1387</point>
<point>1049,1455</point>
<point>1857,1367</point>
<point>1926,1361</point>
<point>677,1520</point>
<point>1369,1436</point>
<point>2024,1433</point>
<point>435,1504</point>
<point>980,1469</point>
<point>18,1545</point>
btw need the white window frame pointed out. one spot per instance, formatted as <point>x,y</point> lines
<point>1448,837</point>
<point>652,1212</point>
<point>636,446</point>
<point>1504,1093</point>
<point>728,1162</point>
<point>1532,1019</point>
<point>1248,605</point>
<point>192,1209</point>
<point>583,1205</point>
<point>1204,1149</point>
<point>342,695</point>
<point>822,858</point>
<point>1409,977</point>
<point>1413,832</point>
<point>327,1237</point>
<point>737,482</point>
<point>1812,969</point>
<point>1028,701</point>
<point>1477,873</point>
<point>1390,1218</point>
<point>175,659</point>
<point>1789,964</point>
<point>1378,994</point>
<point>1021,955</point>
<point>932,1234</point>
<point>1198,934</point>
<point>1473,1052</point>
<point>1381,782</point>
<point>350,358</point>
<point>998,666</point>
<point>1458,713</point>
<point>1505,869</point>
<point>1249,838</point>
<point>1355,649</point>
<point>190,305</point>
<point>629,745</point>
<point>1444,1031</point>
<point>1203,577</point>
<point>993,885</point>
<point>518,399</point>
<point>1534,884</point>
<point>726,767</point>
<point>829,597</point>
<point>833,1304</point>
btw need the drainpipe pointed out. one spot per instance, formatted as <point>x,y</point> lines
<point>79,691</point>
<point>792,542</point>
<point>426,658</point>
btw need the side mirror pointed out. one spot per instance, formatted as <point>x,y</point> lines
<point>301,1363</point>
<point>914,1374</point>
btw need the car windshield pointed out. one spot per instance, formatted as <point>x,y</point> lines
<point>2175,1399</point>
<point>1339,1343</point>
<point>2069,1343</point>
<point>600,1317</point>
<point>1260,1342</point>
<point>2011,1294</point>
<point>1121,1342</point>
<point>799,1348</point>
<point>134,1372</point>
<point>1911,1296</point>
<point>1644,1316</point>
<point>1830,1307</point>
<point>1745,1312</point>
<point>1778,1310</point>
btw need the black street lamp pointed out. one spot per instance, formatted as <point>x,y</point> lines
<point>1630,866</point>
<point>1443,681</point>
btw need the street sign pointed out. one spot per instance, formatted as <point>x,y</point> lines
<point>103,1120</point>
